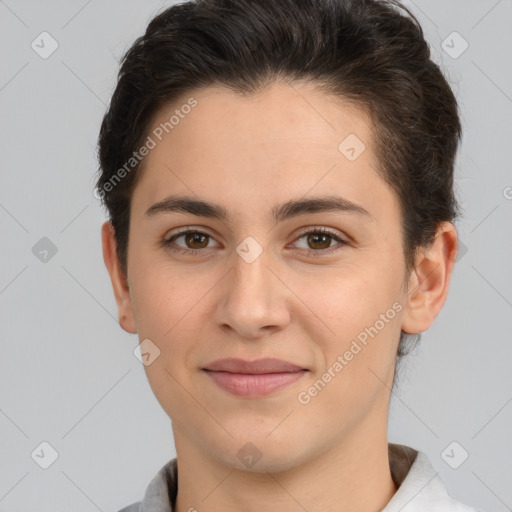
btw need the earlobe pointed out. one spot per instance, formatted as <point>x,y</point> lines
<point>119,282</point>
<point>429,281</point>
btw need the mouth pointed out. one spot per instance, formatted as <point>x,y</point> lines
<point>253,378</point>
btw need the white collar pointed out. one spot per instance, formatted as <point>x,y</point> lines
<point>420,488</point>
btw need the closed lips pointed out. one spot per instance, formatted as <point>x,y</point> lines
<point>253,379</point>
<point>258,367</point>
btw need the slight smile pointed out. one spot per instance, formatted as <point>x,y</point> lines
<point>253,379</point>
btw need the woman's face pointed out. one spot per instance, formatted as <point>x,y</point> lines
<point>320,288</point>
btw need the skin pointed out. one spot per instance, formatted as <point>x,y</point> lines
<point>248,154</point>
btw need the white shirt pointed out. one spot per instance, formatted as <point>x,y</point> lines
<point>420,488</point>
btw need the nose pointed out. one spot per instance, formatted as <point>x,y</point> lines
<point>253,301</point>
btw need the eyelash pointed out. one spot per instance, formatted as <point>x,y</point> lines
<point>196,252</point>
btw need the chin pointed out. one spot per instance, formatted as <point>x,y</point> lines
<point>260,453</point>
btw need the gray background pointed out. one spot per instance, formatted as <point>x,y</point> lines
<point>68,373</point>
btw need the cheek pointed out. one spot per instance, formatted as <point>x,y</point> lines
<point>167,305</point>
<point>165,299</point>
<point>357,316</point>
<point>349,297</point>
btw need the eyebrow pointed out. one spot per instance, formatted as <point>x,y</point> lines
<point>279,213</point>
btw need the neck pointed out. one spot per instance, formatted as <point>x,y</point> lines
<point>353,476</point>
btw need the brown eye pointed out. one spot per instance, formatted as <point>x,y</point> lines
<point>319,240</point>
<point>190,242</point>
<point>196,240</point>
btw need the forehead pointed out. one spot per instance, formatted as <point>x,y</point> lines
<point>294,116</point>
<point>287,140</point>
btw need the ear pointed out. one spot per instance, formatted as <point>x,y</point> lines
<point>430,280</point>
<point>118,278</point>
